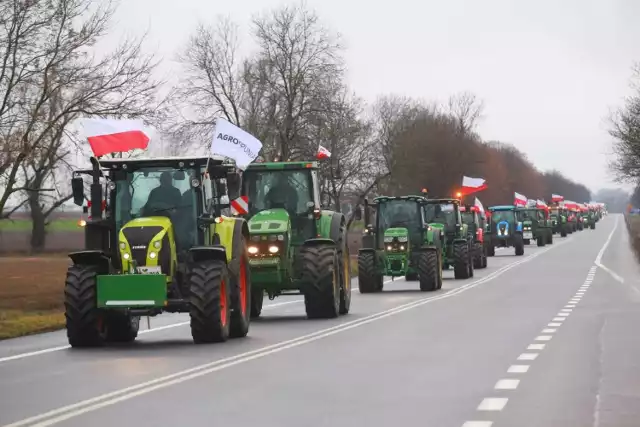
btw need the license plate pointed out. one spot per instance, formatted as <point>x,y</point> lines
<point>528,235</point>
<point>150,270</point>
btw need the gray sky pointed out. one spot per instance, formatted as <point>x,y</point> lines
<point>548,71</point>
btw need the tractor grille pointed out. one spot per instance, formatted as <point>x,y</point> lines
<point>141,236</point>
<point>396,264</point>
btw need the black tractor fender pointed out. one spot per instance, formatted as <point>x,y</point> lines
<point>318,241</point>
<point>460,240</point>
<point>94,258</point>
<point>208,253</point>
<point>337,221</point>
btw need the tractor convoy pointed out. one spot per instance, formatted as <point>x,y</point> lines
<point>163,237</point>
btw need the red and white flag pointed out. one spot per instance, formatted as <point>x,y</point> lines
<point>240,206</point>
<point>472,185</point>
<point>557,198</point>
<point>323,153</point>
<point>108,136</point>
<point>478,203</point>
<point>519,199</point>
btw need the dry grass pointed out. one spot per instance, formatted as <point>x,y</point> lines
<point>31,294</point>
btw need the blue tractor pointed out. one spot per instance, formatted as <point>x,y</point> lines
<point>504,230</point>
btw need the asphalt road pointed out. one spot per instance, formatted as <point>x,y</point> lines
<point>546,339</point>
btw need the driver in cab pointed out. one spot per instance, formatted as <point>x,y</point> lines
<point>283,195</point>
<point>164,197</point>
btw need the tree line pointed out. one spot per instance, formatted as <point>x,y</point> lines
<point>291,93</point>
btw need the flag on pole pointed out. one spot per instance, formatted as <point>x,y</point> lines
<point>232,142</point>
<point>556,198</point>
<point>472,185</point>
<point>106,136</point>
<point>323,153</point>
<point>519,199</point>
<point>478,203</point>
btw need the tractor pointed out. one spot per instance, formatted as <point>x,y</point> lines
<point>457,244</point>
<point>475,221</point>
<point>535,225</point>
<point>295,247</point>
<point>505,230</point>
<point>398,242</point>
<point>559,223</point>
<point>156,242</point>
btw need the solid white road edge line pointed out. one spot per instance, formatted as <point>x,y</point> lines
<point>76,409</point>
<point>598,260</point>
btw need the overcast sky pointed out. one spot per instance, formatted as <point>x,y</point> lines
<point>549,72</point>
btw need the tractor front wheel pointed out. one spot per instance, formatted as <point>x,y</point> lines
<point>491,250</point>
<point>593,225</point>
<point>518,244</point>
<point>84,321</point>
<point>241,296</point>
<point>369,280</point>
<point>550,237</point>
<point>461,260</point>
<point>321,281</point>
<point>210,302</point>
<point>257,297</point>
<point>541,241</point>
<point>121,327</point>
<point>429,273</point>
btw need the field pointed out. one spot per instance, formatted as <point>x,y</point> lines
<point>62,224</point>
<point>31,294</point>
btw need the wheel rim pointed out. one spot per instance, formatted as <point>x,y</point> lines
<point>223,303</point>
<point>243,286</point>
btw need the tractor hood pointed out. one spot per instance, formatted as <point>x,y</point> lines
<point>396,232</point>
<point>269,221</point>
<point>437,225</point>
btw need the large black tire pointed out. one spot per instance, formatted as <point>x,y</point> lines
<point>344,260</point>
<point>461,260</point>
<point>549,237</point>
<point>527,241</point>
<point>121,327</point>
<point>541,240</point>
<point>471,269</point>
<point>411,277</point>
<point>369,280</point>
<point>321,281</point>
<point>491,250</point>
<point>518,244</point>
<point>210,301</point>
<point>484,261</point>
<point>257,298</point>
<point>84,321</point>
<point>593,225</point>
<point>240,290</point>
<point>429,273</point>
<point>478,252</point>
<point>563,231</point>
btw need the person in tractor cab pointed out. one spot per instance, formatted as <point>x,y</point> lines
<point>163,198</point>
<point>283,195</point>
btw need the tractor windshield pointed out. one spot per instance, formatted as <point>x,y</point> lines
<point>159,191</point>
<point>400,213</point>
<point>498,216</point>
<point>441,213</point>
<point>271,189</point>
<point>468,218</point>
<point>527,215</point>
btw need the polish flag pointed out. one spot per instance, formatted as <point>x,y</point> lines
<point>556,198</point>
<point>479,205</point>
<point>472,185</point>
<point>323,153</point>
<point>107,136</point>
<point>519,200</point>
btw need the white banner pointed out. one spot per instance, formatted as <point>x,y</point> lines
<point>231,141</point>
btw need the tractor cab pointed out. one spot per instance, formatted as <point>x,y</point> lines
<point>506,229</point>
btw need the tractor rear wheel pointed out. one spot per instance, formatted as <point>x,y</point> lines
<point>518,244</point>
<point>84,321</point>
<point>240,293</point>
<point>369,280</point>
<point>491,250</point>
<point>429,273</point>
<point>461,260</point>
<point>549,237</point>
<point>321,281</point>
<point>210,301</point>
<point>526,241</point>
<point>541,240</point>
<point>477,255</point>
<point>563,231</point>
<point>593,225</point>
<point>344,260</point>
<point>121,327</point>
<point>257,297</point>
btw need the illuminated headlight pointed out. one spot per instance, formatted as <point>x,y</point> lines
<point>156,244</point>
<point>274,249</point>
<point>389,247</point>
<point>402,239</point>
<point>388,239</point>
<point>125,256</point>
<point>152,255</point>
<point>123,245</point>
<point>402,247</point>
<point>253,249</point>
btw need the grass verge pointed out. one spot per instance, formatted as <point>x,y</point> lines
<point>31,294</point>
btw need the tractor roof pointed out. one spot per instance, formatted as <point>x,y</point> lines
<point>434,201</point>
<point>502,208</point>
<point>382,199</point>
<point>164,161</point>
<point>282,166</point>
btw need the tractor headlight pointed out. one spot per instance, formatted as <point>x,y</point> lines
<point>274,249</point>
<point>402,239</point>
<point>157,244</point>
<point>389,247</point>
<point>123,245</point>
<point>125,256</point>
<point>402,247</point>
<point>152,255</point>
<point>281,237</point>
<point>253,249</point>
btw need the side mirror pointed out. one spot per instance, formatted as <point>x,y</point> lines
<point>233,185</point>
<point>222,188</point>
<point>77,189</point>
<point>357,215</point>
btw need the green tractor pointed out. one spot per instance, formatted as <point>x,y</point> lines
<point>476,225</point>
<point>156,242</point>
<point>535,225</point>
<point>398,243</point>
<point>295,246</point>
<point>558,217</point>
<point>505,230</point>
<point>458,246</point>
<point>589,218</point>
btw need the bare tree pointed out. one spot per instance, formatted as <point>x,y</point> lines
<point>466,109</point>
<point>45,49</point>
<point>625,130</point>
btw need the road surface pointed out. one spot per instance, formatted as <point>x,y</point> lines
<point>546,339</point>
